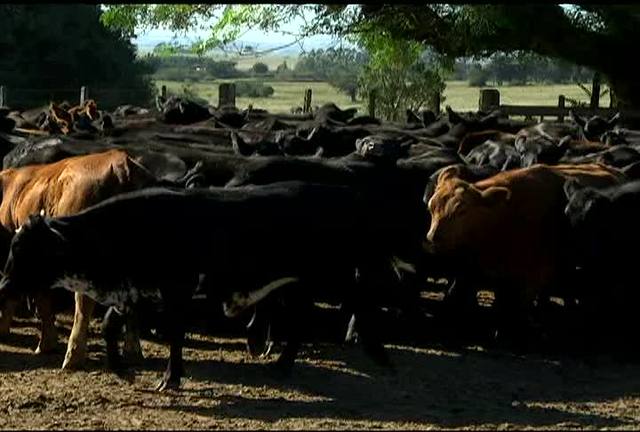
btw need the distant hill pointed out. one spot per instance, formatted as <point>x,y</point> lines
<point>146,44</point>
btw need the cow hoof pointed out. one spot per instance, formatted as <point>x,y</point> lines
<point>165,384</point>
<point>74,359</point>
<point>71,364</point>
<point>46,348</point>
<point>259,351</point>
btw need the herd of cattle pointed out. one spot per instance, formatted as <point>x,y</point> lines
<point>142,209</point>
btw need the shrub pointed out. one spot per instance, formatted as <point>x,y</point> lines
<point>260,68</point>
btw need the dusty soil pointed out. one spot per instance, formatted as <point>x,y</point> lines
<point>332,387</point>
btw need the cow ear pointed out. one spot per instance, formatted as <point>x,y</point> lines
<point>452,171</point>
<point>495,195</point>
<point>571,186</point>
<point>453,116</point>
<point>580,121</point>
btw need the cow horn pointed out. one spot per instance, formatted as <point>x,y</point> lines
<point>613,120</point>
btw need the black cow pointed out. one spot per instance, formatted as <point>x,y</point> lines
<point>460,126</point>
<point>605,226</point>
<point>540,149</point>
<point>593,128</point>
<point>617,156</point>
<point>495,154</point>
<point>149,247</point>
<point>175,110</point>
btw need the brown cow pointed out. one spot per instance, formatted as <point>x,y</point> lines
<point>89,108</point>
<point>509,229</point>
<point>58,189</point>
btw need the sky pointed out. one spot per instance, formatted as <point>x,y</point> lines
<point>259,39</point>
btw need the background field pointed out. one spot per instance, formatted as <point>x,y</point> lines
<point>458,94</point>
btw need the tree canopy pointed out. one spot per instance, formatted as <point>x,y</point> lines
<point>47,49</point>
<point>591,35</point>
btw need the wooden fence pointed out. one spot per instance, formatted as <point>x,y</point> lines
<point>489,100</point>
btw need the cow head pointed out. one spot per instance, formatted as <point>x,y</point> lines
<point>61,117</point>
<point>594,127</point>
<point>34,257</point>
<point>458,209</point>
<point>91,109</point>
<point>585,205</point>
<point>613,138</point>
<point>380,148</point>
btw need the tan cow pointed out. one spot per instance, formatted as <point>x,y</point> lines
<point>59,189</point>
<point>510,228</point>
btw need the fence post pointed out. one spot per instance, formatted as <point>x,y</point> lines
<point>613,100</point>
<point>372,103</point>
<point>595,91</point>
<point>163,92</point>
<point>306,105</point>
<point>436,104</point>
<point>3,96</point>
<point>561,105</point>
<point>84,93</point>
<point>226,94</point>
<point>489,100</point>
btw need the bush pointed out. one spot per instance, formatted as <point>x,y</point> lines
<point>260,68</point>
<point>254,89</point>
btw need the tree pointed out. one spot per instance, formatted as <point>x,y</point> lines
<point>260,68</point>
<point>595,36</point>
<point>399,76</point>
<point>52,50</point>
<point>339,67</point>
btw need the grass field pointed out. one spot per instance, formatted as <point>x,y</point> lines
<point>457,94</point>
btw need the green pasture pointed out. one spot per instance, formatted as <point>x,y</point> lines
<point>457,94</point>
<point>286,95</point>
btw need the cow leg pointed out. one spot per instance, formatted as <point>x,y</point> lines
<point>111,328</point>
<point>366,312</point>
<point>174,320</point>
<point>296,313</point>
<point>513,309</point>
<point>48,333</point>
<point>367,319</point>
<point>77,346</point>
<point>459,308</point>
<point>8,312</point>
<point>352,334</point>
<point>175,368</point>
<point>259,342</point>
<point>132,350</point>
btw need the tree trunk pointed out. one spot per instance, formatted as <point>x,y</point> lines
<point>626,90</point>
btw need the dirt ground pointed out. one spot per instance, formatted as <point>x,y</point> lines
<point>332,387</point>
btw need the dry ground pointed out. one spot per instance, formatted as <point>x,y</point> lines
<point>332,387</point>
